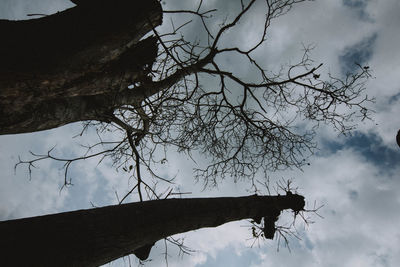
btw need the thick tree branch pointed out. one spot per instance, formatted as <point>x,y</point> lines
<point>49,83</point>
<point>96,236</point>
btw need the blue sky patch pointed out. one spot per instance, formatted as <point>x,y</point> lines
<point>353,194</point>
<point>370,146</point>
<point>393,99</point>
<point>359,7</point>
<point>355,3</point>
<point>360,53</point>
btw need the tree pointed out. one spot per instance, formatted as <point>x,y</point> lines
<point>74,73</point>
<point>97,236</point>
<point>159,99</point>
<point>170,90</point>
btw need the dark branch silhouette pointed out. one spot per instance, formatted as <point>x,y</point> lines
<point>398,138</point>
<point>96,236</point>
<point>74,74</point>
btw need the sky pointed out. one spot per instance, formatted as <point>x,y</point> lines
<point>355,177</point>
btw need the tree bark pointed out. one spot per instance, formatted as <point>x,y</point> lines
<point>96,236</point>
<point>73,65</point>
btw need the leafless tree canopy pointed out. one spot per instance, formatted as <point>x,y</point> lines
<point>193,101</point>
<point>188,97</point>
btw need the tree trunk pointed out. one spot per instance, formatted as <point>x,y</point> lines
<point>73,65</point>
<point>97,236</point>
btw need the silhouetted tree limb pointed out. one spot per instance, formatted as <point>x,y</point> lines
<point>96,236</point>
<point>69,66</point>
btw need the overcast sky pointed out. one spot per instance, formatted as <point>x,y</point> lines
<point>355,177</point>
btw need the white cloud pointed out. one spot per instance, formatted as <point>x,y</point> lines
<point>19,9</point>
<point>359,199</point>
<point>19,196</point>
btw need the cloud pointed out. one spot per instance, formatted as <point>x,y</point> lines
<point>20,196</point>
<point>358,200</point>
<point>19,9</point>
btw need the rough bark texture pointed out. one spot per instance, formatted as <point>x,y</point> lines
<point>96,236</point>
<point>74,65</point>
